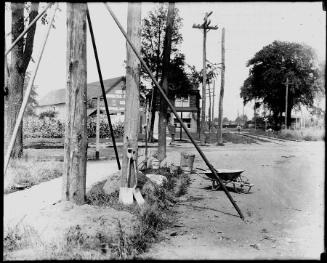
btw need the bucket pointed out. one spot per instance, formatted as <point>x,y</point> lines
<point>187,160</point>
<point>155,164</point>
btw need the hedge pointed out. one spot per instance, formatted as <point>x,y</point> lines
<point>54,128</point>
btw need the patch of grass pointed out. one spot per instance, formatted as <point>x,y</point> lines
<point>29,173</point>
<point>307,134</point>
<point>18,237</point>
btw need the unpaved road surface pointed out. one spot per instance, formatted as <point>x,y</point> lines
<point>284,213</point>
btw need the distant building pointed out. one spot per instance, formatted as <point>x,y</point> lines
<point>115,89</point>
<point>188,109</point>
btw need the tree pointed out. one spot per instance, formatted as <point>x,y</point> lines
<point>271,66</point>
<point>241,119</point>
<point>20,57</point>
<point>152,42</point>
<point>165,68</point>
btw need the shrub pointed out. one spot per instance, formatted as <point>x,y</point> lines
<point>49,113</point>
<point>53,128</point>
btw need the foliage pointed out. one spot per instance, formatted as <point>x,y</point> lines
<point>153,34</point>
<point>52,128</point>
<point>272,65</point>
<point>45,128</point>
<point>241,119</point>
<point>51,114</point>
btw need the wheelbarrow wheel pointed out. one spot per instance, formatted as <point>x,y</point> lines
<point>215,185</point>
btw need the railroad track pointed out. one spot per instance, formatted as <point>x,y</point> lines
<point>263,137</point>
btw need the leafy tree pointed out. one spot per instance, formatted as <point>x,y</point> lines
<point>271,66</point>
<point>241,119</point>
<point>152,39</point>
<point>21,15</point>
<point>225,120</point>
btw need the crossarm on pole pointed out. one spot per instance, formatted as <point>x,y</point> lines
<point>174,111</point>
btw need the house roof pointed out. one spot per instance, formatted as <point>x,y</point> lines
<point>93,90</point>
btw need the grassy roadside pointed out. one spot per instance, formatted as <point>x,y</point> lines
<point>24,174</point>
<point>22,242</point>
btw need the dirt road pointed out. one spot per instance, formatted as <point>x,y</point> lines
<point>284,212</point>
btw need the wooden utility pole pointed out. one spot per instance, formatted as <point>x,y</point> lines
<point>132,104</point>
<point>75,149</point>
<point>205,27</point>
<point>97,139</point>
<point>213,102</point>
<point>286,102</point>
<point>221,97</point>
<point>209,109</point>
<point>162,124</point>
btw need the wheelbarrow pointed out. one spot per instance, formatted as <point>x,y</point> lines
<point>230,178</point>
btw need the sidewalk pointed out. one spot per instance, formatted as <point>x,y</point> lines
<point>21,203</point>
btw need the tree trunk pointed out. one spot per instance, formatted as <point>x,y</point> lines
<point>75,148</point>
<point>20,58</point>
<point>163,105</point>
<point>209,109</point>
<point>221,96</point>
<point>132,103</point>
<point>153,113</point>
<point>203,106</point>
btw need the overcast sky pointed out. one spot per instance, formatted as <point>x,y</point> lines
<point>249,27</point>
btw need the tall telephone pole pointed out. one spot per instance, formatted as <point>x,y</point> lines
<point>205,27</point>
<point>221,96</point>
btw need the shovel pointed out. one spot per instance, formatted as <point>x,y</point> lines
<point>126,193</point>
<point>136,192</point>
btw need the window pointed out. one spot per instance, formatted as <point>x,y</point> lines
<point>186,121</point>
<point>182,102</point>
<point>122,102</point>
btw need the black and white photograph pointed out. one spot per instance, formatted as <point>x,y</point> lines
<point>163,130</point>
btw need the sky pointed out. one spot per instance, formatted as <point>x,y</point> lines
<point>249,26</point>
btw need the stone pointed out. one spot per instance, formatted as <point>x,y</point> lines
<point>112,184</point>
<point>163,163</point>
<point>158,179</point>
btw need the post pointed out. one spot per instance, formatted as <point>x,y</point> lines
<point>221,96</point>
<point>75,148</point>
<point>204,82</point>
<point>163,106</point>
<point>286,103</point>
<point>97,139</point>
<point>213,102</point>
<point>181,129</point>
<point>205,26</point>
<point>132,95</point>
<point>209,109</point>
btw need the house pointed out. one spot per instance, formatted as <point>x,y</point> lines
<point>188,109</point>
<point>115,89</point>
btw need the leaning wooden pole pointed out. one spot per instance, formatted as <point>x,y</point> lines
<point>132,100</point>
<point>162,127</point>
<point>212,169</point>
<point>75,148</point>
<point>102,88</point>
<point>221,96</point>
<point>27,94</point>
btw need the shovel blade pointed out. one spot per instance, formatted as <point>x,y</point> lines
<point>138,197</point>
<point>126,195</point>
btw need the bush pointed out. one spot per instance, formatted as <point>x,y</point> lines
<point>53,128</point>
<point>307,134</point>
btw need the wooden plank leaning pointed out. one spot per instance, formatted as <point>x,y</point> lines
<point>212,169</point>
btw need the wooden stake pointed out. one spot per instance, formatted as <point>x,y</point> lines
<point>221,96</point>
<point>75,150</point>
<point>132,114</point>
